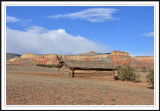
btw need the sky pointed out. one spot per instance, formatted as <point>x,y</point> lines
<point>79,29</point>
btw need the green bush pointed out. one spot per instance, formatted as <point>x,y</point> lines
<point>150,78</point>
<point>144,69</point>
<point>127,73</point>
<point>49,66</point>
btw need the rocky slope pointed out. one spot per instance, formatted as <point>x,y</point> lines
<point>11,55</point>
<point>115,57</point>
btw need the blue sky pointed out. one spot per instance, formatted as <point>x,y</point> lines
<point>80,29</point>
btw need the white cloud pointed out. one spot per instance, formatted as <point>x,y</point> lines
<point>39,40</point>
<point>91,15</point>
<point>150,34</point>
<point>12,19</point>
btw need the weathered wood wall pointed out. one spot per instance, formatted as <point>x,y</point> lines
<point>92,73</point>
<point>65,71</point>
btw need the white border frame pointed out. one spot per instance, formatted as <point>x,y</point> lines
<point>81,107</point>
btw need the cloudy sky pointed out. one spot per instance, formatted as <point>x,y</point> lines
<point>80,29</point>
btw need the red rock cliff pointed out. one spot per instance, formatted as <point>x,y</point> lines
<point>120,58</point>
<point>50,59</point>
<point>115,57</point>
<point>147,59</point>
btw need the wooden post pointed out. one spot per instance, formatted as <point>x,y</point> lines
<point>72,73</point>
<point>116,73</point>
<point>59,71</point>
<point>113,74</point>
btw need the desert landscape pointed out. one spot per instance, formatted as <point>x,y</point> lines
<point>80,55</point>
<point>30,84</point>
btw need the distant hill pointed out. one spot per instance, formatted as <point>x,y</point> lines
<point>89,53</point>
<point>92,53</point>
<point>11,55</point>
<point>115,57</point>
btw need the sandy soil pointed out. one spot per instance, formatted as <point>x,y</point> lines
<point>32,85</point>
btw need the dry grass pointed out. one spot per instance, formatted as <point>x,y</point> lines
<point>32,85</point>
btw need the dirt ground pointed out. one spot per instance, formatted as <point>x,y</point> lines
<point>33,85</point>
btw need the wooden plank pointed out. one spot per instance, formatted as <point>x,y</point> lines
<point>72,73</point>
<point>77,71</point>
<point>94,73</point>
<point>88,68</point>
<point>90,75</point>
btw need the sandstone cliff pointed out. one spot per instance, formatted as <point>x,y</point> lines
<point>120,58</point>
<point>115,57</point>
<point>147,59</point>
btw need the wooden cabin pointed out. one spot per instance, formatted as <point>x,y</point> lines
<point>72,68</point>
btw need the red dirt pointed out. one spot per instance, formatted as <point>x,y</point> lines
<point>42,86</point>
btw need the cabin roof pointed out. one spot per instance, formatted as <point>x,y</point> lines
<point>87,64</point>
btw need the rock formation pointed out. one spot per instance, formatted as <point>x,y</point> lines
<point>147,59</point>
<point>120,58</point>
<point>11,55</point>
<point>50,59</point>
<point>115,57</point>
<point>28,56</point>
<point>89,53</point>
<point>19,61</point>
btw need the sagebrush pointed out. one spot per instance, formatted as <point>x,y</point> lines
<point>127,73</point>
<point>150,78</point>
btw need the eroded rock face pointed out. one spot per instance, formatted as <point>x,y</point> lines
<point>89,53</point>
<point>28,56</point>
<point>147,59</point>
<point>115,57</point>
<point>11,55</point>
<point>18,61</point>
<point>32,59</point>
<point>141,65</point>
<point>50,59</point>
<point>120,53</point>
<point>120,58</point>
<point>14,60</point>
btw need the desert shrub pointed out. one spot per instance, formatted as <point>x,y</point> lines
<point>144,69</point>
<point>49,66</point>
<point>127,73</point>
<point>150,78</point>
